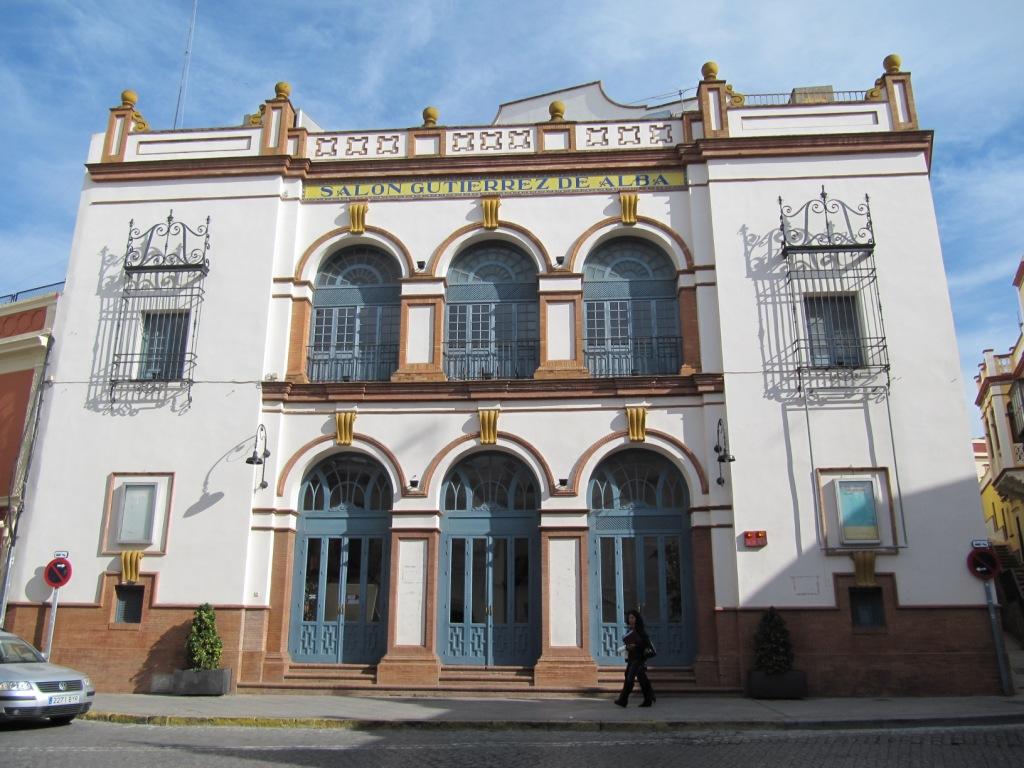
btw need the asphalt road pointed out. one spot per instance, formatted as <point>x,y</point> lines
<point>101,745</point>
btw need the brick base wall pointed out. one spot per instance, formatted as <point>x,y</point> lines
<point>921,651</point>
<point>944,650</point>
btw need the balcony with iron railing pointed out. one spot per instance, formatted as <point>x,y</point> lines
<point>633,355</point>
<point>474,360</point>
<point>351,362</point>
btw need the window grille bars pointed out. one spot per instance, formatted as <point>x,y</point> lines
<point>839,335</point>
<point>157,322</point>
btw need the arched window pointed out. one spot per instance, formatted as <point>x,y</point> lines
<point>631,310</point>
<point>492,329</point>
<point>347,484</point>
<point>490,482</point>
<point>356,311</point>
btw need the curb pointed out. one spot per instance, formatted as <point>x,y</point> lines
<point>321,723</point>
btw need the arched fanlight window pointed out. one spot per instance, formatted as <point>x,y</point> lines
<point>491,306</point>
<point>637,480</point>
<point>346,484</point>
<point>356,317</point>
<point>490,482</point>
<point>631,310</point>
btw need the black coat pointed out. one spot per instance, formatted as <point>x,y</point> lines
<point>635,642</point>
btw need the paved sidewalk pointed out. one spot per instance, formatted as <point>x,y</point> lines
<point>692,712</point>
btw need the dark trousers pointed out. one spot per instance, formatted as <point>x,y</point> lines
<point>636,670</point>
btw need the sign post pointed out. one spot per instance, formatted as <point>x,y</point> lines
<point>983,564</point>
<point>57,573</point>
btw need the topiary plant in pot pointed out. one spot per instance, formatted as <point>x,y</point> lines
<point>203,649</point>
<point>773,676</point>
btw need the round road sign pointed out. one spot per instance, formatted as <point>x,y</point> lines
<point>982,563</point>
<point>57,572</point>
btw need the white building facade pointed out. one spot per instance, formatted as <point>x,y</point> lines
<point>432,407</point>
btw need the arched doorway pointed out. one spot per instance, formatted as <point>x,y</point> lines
<point>640,555</point>
<point>490,563</point>
<point>339,605</point>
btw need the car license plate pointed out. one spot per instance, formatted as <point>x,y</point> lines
<point>66,698</point>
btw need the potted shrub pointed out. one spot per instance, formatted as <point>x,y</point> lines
<point>773,676</point>
<point>203,648</point>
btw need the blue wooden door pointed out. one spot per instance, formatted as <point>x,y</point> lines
<point>339,610</point>
<point>489,587</point>
<point>340,585</point>
<point>488,600</point>
<point>640,557</point>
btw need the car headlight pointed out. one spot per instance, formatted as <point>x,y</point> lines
<point>15,685</point>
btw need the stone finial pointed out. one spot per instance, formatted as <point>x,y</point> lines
<point>557,111</point>
<point>709,70</point>
<point>129,98</point>
<point>891,63</point>
<point>430,116</point>
<point>282,90</point>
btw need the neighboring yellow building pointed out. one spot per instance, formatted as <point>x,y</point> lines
<point>1001,400</point>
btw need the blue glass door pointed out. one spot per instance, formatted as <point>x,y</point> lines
<point>487,600</point>
<point>340,609</point>
<point>643,572</point>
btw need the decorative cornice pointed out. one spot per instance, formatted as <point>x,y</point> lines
<point>511,389</point>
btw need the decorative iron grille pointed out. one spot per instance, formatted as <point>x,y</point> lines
<point>157,321</point>
<point>839,337</point>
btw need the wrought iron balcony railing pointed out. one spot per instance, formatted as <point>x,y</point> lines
<point>633,355</point>
<point>351,362</point>
<point>465,360</point>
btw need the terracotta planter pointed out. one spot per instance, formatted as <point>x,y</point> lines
<point>201,682</point>
<point>780,685</point>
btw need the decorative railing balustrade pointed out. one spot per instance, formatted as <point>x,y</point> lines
<point>466,360</point>
<point>29,293</point>
<point>801,98</point>
<point>351,362</point>
<point>633,355</point>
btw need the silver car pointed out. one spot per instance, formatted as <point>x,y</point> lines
<point>31,687</point>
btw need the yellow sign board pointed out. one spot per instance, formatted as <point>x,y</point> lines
<point>474,186</point>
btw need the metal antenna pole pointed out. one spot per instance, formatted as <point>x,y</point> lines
<point>179,110</point>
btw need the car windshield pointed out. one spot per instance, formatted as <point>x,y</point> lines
<point>14,650</point>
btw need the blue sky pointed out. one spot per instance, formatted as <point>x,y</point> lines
<point>377,64</point>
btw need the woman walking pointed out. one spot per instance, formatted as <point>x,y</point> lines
<point>636,642</point>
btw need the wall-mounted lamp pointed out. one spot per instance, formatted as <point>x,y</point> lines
<point>560,260</point>
<point>722,449</point>
<point>564,482</point>
<point>414,482</point>
<point>258,458</point>
<point>421,265</point>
